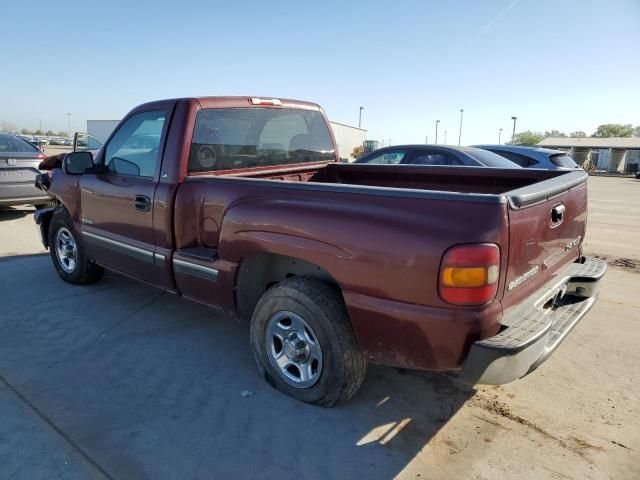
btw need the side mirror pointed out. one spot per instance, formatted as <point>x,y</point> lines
<point>83,142</point>
<point>124,167</point>
<point>77,163</point>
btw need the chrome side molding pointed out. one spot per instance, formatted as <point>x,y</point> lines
<point>195,270</point>
<point>126,249</point>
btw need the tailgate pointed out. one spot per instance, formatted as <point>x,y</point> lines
<point>547,222</point>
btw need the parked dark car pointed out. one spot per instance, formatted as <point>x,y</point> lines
<point>241,203</point>
<point>435,155</point>
<point>533,157</point>
<point>19,162</point>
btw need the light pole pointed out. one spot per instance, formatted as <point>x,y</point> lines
<point>360,118</point>
<point>513,135</point>
<point>437,122</point>
<point>69,123</point>
<point>460,132</point>
<point>445,137</point>
<point>426,139</point>
<point>499,135</point>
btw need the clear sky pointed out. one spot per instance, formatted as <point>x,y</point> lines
<point>563,64</point>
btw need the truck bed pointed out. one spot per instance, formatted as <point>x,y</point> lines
<point>521,186</point>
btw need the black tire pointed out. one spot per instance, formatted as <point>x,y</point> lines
<point>85,271</point>
<point>343,364</point>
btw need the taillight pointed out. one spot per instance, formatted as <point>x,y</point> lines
<point>41,155</point>
<point>469,274</point>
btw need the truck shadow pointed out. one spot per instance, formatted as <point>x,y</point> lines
<point>14,213</point>
<point>152,386</point>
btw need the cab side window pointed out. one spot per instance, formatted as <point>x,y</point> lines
<point>133,150</point>
<point>387,157</point>
<point>428,157</point>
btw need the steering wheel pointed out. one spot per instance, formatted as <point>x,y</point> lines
<point>207,156</point>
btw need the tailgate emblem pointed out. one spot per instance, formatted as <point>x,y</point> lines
<point>11,162</point>
<point>572,243</point>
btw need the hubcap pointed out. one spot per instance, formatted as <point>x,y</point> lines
<point>66,250</point>
<point>293,349</point>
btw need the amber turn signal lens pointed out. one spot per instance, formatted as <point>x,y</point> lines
<point>464,277</point>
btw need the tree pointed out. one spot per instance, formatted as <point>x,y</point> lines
<point>7,127</point>
<point>26,131</point>
<point>63,133</point>
<point>527,138</point>
<point>38,132</point>
<point>577,134</point>
<point>636,131</point>
<point>613,130</point>
<point>49,133</point>
<point>555,134</point>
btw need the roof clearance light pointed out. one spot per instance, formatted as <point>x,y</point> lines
<point>265,101</point>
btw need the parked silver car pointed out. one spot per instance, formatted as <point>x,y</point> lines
<point>19,162</point>
<point>533,157</point>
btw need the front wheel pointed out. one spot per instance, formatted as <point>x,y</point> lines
<point>68,254</point>
<point>303,342</point>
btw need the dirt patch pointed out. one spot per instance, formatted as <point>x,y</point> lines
<point>628,264</point>
<point>501,409</point>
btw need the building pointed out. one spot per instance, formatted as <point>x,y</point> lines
<point>347,137</point>
<point>614,154</point>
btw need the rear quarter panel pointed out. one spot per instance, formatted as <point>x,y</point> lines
<point>383,251</point>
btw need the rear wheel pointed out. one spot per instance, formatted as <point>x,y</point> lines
<point>303,342</point>
<point>68,253</point>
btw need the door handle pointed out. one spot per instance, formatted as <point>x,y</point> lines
<point>142,203</point>
<point>557,213</point>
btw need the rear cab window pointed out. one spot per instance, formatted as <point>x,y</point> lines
<point>563,160</point>
<point>238,138</point>
<point>521,160</point>
<point>490,159</point>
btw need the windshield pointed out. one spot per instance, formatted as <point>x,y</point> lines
<point>490,159</point>
<point>16,145</point>
<point>234,138</point>
<point>563,160</point>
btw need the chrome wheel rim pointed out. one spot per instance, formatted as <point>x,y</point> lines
<point>293,349</point>
<point>66,250</point>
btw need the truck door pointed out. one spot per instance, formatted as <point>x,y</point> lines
<point>117,204</point>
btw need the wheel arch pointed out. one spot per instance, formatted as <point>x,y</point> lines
<point>258,271</point>
<point>43,219</point>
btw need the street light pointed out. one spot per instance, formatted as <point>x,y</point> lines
<point>426,139</point>
<point>69,123</point>
<point>445,137</point>
<point>437,122</point>
<point>460,133</point>
<point>499,135</point>
<point>513,135</point>
<point>360,118</point>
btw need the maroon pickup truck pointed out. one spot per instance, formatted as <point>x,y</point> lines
<point>242,203</point>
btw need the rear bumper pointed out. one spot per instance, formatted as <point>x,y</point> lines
<point>21,194</point>
<point>534,330</point>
